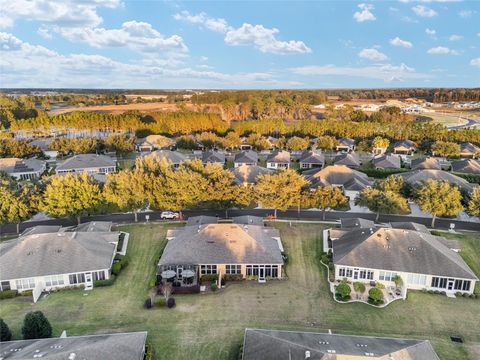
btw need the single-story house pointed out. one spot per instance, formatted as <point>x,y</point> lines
<point>387,161</point>
<point>90,163</point>
<point>49,260</point>
<point>153,142</point>
<point>351,181</point>
<point>248,174</point>
<point>376,150</point>
<point>248,157</point>
<point>213,157</point>
<point>429,163</point>
<point>422,260</point>
<point>279,160</point>
<point>466,166</point>
<point>244,145</point>
<point>469,150</point>
<point>416,177</point>
<point>174,158</point>
<point>246,250</point>
<point>44,145</point>
<point>280,344</point>
<point>23,169</point>
<point>311,159</point>
<point>346,145</point>
<point>122,346</point>
<point>348,159</point>
<point>404,147</point>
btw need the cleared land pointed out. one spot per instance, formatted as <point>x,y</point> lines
<point>211,326</point>
<point>117,109</point>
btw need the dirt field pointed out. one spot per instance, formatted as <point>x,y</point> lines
<point>118,109</point>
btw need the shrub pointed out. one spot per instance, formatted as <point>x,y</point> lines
<point>233,277</point>
<point>208,278</point>
<point>324,258</point>
<point>458,294</point>
<point>8,294</point>
<point>397,279</point>
<point>36,326</point>
<point>116,268</point>
<point>375,296</point>
<point>214,286</point>
<point>5,333</point>
<point>359,287</point>
<point>473,296</point>
<point>380,285</point>
<point>147,303</point>
<point>108,282</point>
<point>149,351</point>
<point>171,302</point>
<point>343,291</point>
<point>161,302</point>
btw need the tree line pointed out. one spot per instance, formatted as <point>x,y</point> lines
<point>157,185</point>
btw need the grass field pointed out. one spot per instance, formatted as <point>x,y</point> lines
<point>211,326</point>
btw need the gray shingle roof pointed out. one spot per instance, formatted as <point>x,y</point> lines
<point>56,253</point>
<point>248,220</point>
<point>281,157</point>
<point>84,161</point>
<point>312,157</point>
<point>387,161</point>
<point>426,163</point>
<point>409,144</point>
<point>408,225</point>
<point>41,229</point>
<point>15,165</point>
<point>346,142</point>
<point>223,244</point>
<point>125,346</point>
<point>418,176</point>
<point>172,157</point>
<point>391,249</point>
<point>466,166</point>
<point>202,219</point>
<point>94,226</point>
<point>248,157</point>
<point>338,175</point>
<point>247,174</point>
<point>292,345</point>
<point>356,223</point>
<point>350,160</point>
<point>469,148</point>
<point>213,157</point>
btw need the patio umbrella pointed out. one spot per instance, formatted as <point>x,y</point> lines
<point>188,273</point>
<point>168,274</point>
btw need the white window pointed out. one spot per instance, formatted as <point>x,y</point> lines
<point>416,279</point>
<point>54,280</point>
<point>233,269</point>
<point>208,269</point>
<point>25,284</point>
<point>387,275</point>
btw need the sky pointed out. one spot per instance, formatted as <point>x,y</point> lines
<point>239,44</point>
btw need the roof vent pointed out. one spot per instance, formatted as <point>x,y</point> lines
<point>307,354</point>
<point>72,356</point>
<point>369,354</point>
<point>331,351</point>
<point>323,342</point>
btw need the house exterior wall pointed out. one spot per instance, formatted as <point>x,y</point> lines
<point>92,170</point>
<point>65,278</point>
<point>238,164</point>
<point>274,165</point>
<point>307,165</point>
<point>403,150</point>
<point>27,175</point>
<point>414,285</point>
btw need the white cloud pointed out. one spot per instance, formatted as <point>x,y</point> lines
<point>44,32</point>
<point>32,65</point>
<point>139,36</point>
<point>429,1</point>
<point>399,42</point>
<point>203,58</point>
<point>424,11</point>
<point>372,54</point>
<point>442,50</point>
<point>219,25</point>
<point>455,37</point>
<point>465,13</point>
<point>386,72</point>
<point>65,13</point>
<point>264,39</point>
<point>258,36</point>
<point>365,14</point>
<point>430,32</point>
<point>475,62</point>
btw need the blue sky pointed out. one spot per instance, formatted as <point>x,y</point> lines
<point>239,44</point>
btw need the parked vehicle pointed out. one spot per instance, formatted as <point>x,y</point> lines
<point>170,215</point>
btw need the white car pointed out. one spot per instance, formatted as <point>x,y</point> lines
<point>169,215</point>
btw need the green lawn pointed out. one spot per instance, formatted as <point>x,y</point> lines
<point>211,326</point>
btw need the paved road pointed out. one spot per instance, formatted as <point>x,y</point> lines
<point>303,214</point>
